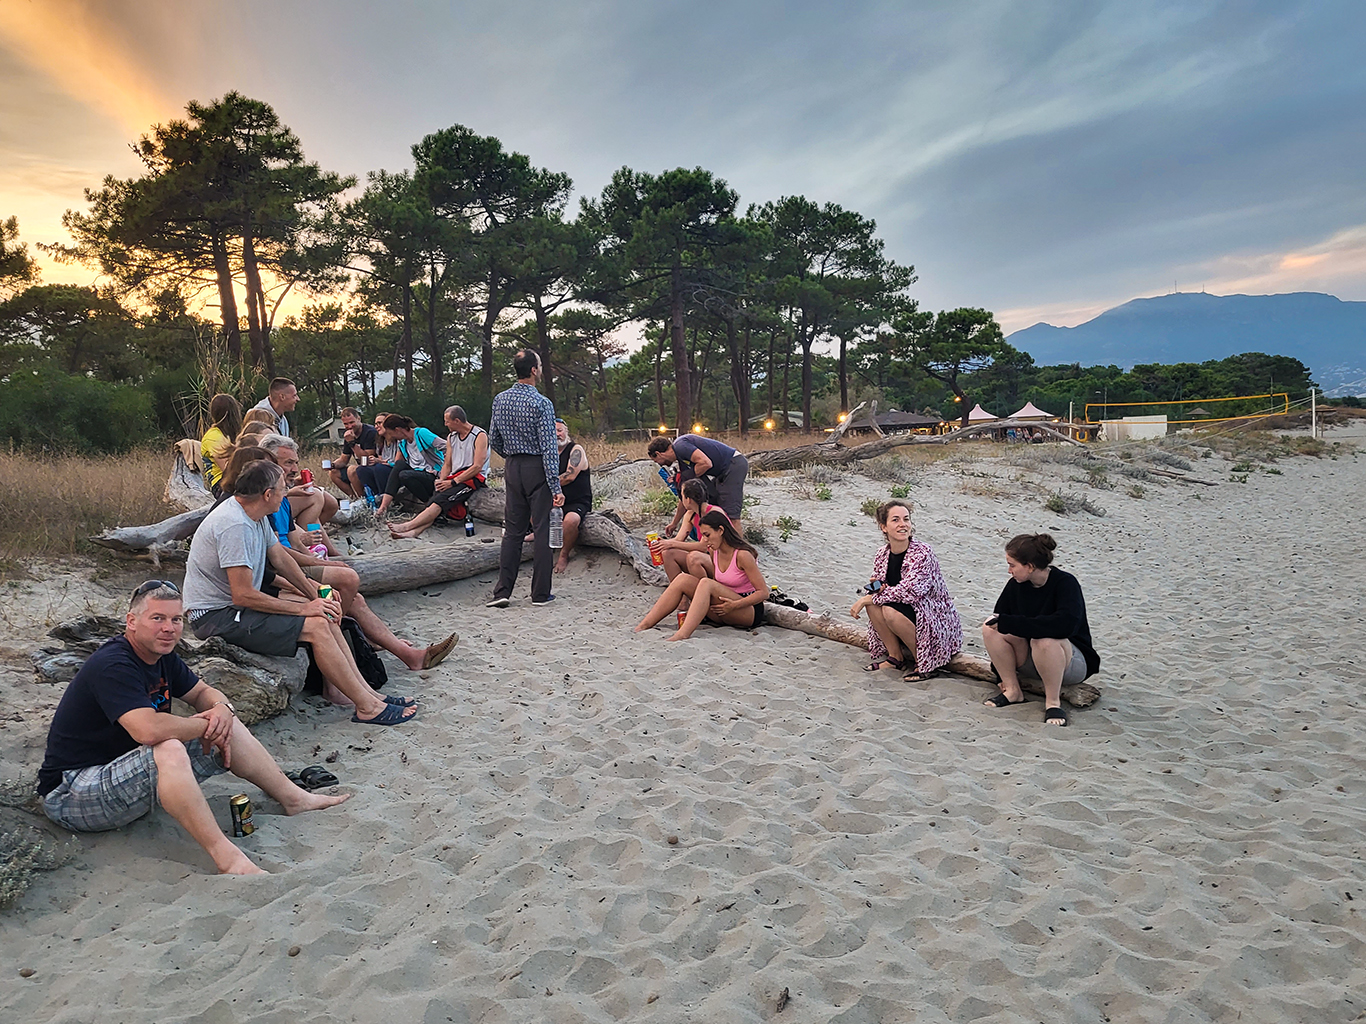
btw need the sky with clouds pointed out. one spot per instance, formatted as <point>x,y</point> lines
<point>1045,159</point>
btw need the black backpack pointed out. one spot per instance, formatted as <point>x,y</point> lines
<point>367,660</point>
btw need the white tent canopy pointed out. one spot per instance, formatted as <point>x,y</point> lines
<point>980,415</point>
<point>1031,412</point>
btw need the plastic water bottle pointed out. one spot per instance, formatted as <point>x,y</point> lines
<point>469,526</point>
<point>370,497</point>
<point>556,527</point>
<point>668,479</point>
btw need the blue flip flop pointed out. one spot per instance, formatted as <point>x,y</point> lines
<point>401,702</point>
<point>391,715</point>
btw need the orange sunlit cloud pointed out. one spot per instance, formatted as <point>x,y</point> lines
<point>69,42</point>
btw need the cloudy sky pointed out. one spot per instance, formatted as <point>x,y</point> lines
<point>1044,159</point>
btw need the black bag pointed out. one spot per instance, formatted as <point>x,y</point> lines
<point>367,660</point>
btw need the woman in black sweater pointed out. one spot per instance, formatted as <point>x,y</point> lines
<point>1039,628</point>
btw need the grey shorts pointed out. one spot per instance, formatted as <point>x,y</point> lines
<point>106,796</point>
<point>1073,674</point>
<point>267,633</point>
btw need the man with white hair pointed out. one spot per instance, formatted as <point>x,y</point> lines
<point>114,752</point>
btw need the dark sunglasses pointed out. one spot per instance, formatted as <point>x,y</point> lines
<point>152,585</point>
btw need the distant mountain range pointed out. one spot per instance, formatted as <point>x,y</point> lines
<point>1325,333</point>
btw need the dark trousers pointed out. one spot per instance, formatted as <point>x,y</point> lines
<point>421,484</point>
<point>374,476</point>
<point>528,503</point>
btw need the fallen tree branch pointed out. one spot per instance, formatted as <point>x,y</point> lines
<point>825,625</point>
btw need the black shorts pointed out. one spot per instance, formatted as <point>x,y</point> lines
<point>905,609</point>
<point>580,508</point>
<point>759,618</point>
<point>274,635</point>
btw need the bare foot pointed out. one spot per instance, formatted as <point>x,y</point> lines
<point>303,800</point>
<point>240,865</point>
<point>335,696</point>
<point>678,636</point>
<point>561,565</point>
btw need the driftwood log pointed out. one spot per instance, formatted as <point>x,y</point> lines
<point>461,559</point>
<point>259,687</point>
<point>849,632</point>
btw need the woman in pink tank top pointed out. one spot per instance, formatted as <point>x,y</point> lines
<point>677,548</point>
<point>723,583</point>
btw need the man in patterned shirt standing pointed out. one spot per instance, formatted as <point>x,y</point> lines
<point>522,431</point>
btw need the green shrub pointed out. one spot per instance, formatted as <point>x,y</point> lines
<point>47,410</point>
<point>869,507</point>
<point>824,493</point>
<point>901,491</point>
<point>756,533</point>
<point>659,502</point>
<point>1136,491</point>
<point>787,526</point>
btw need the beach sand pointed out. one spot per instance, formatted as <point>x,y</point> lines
<point>1190,849</point>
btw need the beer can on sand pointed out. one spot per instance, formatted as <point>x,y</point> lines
<point>656,556</point>
<point>239,807</point>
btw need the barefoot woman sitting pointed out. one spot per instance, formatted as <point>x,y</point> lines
<point>914,623</point>
<point>724,583</point>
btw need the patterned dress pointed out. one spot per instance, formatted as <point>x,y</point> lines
<point>938,630</point>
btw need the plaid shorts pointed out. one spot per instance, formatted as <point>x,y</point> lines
<point>107,796</point>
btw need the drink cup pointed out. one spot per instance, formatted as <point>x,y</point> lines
<point>327,464</point>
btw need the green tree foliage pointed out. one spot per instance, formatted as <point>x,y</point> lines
<point>17,269</point>
<point>227,201</point>
<point>659,238</point>
<point>46,409</point>
<point>952,345</point>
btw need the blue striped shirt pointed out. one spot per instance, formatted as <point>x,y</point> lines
<point>523,423</point>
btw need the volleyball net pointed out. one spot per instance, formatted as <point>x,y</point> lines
<point>1248,407</point>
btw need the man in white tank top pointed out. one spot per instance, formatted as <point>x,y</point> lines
<point>464,471</point>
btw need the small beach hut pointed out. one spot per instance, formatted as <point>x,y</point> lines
<point>1031,412</point>
<point>1197,411</point>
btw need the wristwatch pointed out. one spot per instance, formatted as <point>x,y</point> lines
<point>232,710</point>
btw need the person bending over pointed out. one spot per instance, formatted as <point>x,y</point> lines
<point>420,455</point>
<point>1038,628</point>
<point>464,471</point>
<point>724,585</point>
<point>114,750</point>
<point>223,577</point>
<point>576,481</point>
<point>718,465</point>
<point>676,549</point>
<point>337,574</point>
<point>914,622</point>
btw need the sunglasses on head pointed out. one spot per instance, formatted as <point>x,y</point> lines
<point>152,585</point>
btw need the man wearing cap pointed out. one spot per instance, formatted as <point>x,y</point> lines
<point>114,751</point>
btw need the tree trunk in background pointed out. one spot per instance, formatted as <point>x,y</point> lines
<point>433,338</point>
<point>772,339</point>
<point>262,357</point>
<point>543,345</point>
<point>787,388</point>
<point>227,301</point>
<point>490,319</point>
<point>682,379</point>
<point>406,341</point>
<point>659,380</point>
<point>844,375</point>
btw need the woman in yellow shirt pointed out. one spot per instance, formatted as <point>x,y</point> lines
<point>225,415</point>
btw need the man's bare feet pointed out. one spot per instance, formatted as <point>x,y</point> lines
<point>240,865</point>
<point>302,800</point>
<point>562,565</point>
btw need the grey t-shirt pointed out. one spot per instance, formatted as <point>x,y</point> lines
<point>281,421</point>
<point>227,537</point>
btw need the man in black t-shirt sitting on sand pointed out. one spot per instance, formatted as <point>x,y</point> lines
<point>114,751</point>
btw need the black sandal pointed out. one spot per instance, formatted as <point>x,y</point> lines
<point>315,776</point>
<point>1051,715</point>
<point>881,663</point>
<point>1002,701</point>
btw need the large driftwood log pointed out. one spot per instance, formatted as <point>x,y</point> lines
<point>461,559</point>
<point>186,487</point>
<point>154,536</point>
<point>849,632</point>
<point>259,687</point>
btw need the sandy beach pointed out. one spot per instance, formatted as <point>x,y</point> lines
<point>1190,849</point>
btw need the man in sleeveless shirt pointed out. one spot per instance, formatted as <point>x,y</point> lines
<point>576,482</point>
<point>465,470</point>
